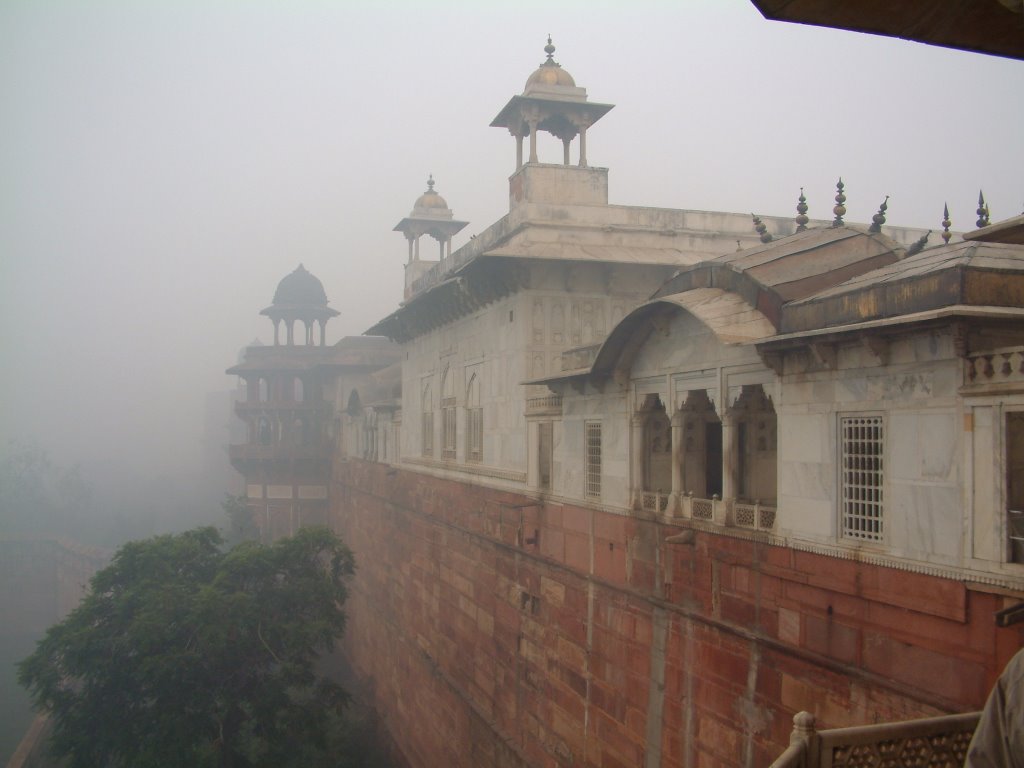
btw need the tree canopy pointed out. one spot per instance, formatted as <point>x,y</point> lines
<point>187,654</point>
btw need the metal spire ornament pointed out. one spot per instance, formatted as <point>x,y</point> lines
<point>839,210</point>
<point>946,234</point>
<point>879,218</point>
<point>982,211</point>
<point>801,212</point>
<point>762,229</point>
<point>919,244</point>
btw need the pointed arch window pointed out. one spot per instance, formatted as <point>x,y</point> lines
<point>448,414</point>
<point>701,448</point>
<point>657,446</point>
<point>755,462</point>
<point>427,429</point>
<point>474,421</point>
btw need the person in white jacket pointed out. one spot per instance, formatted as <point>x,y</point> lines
<point>998,741</point>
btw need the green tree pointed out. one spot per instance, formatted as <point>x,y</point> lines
<point>187,654</point>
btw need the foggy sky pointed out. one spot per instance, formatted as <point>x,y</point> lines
<point>163,165</point>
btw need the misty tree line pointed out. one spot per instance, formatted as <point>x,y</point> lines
<point>39,497</point>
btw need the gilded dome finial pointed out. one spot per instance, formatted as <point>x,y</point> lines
<point>839,209</point>
<point>801,212</point>
<point>879,218</point>
<point>549,49</point>
<point>761,228</point>
<point>982,211</point>
<point>430,183</point>
<point>946,234</point>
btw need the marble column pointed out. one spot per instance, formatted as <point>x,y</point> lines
<point>729,431</point>
<point>636,440</point>
<point>677,464</point>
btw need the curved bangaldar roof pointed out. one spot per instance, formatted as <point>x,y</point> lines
<point>770,276</point>
<point>741,297</point>
<point>830,280</point>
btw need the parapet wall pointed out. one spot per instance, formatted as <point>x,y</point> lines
<point>498,631</point>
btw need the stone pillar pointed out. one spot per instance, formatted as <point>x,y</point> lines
<point>277,335</point>
<point>323,333</point>
<point>410,239</point>
<point>533,139</point>
<point>677,464</point>
<point>728,454</point>
<point>532,454</point>
<point>416,250</point>
<point>583,146</point>
<point>636,441</point>
<point>565,151</point>
<point>290,325</point>
<point>519,151</point>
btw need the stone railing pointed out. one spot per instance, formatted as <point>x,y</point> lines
<point>753,516</point>
<point>756,516</point>
<point>712,510</point>
<point>995,367</point>
<point>653,501</point>
<point>933,741</point>
<point>547,405</point>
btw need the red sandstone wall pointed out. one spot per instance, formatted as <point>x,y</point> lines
<point>496,634</point>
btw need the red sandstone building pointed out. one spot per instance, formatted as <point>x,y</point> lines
<point>625,495</point>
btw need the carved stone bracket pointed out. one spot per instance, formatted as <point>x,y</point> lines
<point>877,348</point>
<point>772,359</point>
<point>824,354</point>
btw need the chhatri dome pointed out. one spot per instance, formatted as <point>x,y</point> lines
<point>550,72</point>
<point>300,288</point>
<point>430,203</point>
<point>300,298</point>
<point>430,216</point>
<point>551,103</point>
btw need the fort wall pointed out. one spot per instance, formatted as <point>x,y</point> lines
<point>496,629</point>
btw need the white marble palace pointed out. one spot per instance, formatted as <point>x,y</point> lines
<point>849,387</point>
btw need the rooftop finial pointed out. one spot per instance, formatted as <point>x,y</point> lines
<point>549,49</point>
<point>946,234</point>
<point>839,209</point>
<point>739,245</point>
<point>761,228</point>
<point>982,210</point>
<point>879,218</point>
<point>919,244</point>
<point>801,212</point>
<point>430,183</point>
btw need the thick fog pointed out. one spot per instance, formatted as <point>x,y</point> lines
<point>163,165</point>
